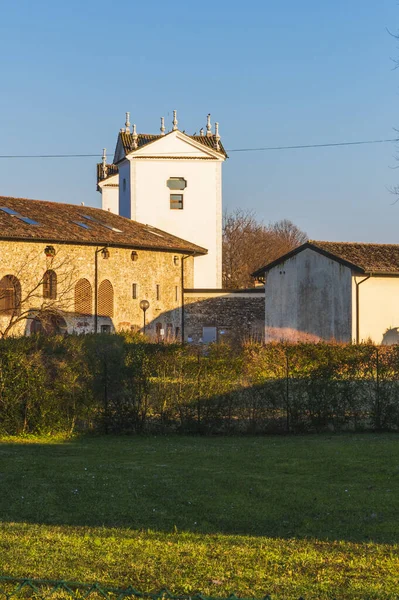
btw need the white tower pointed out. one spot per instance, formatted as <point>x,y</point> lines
<point>173,181</point>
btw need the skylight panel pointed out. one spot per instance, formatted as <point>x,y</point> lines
<point>14,213</point>
<point>155,233</point>
<point>89,218</point>
<point>27,220</point>
<point>9,211</point>
<point>80,224</point>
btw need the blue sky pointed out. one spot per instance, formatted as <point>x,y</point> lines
<point>272,73</point>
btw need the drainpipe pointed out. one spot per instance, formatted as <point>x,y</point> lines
<point>358,306</point>
<point>96,286</point>
<point>182,294</point>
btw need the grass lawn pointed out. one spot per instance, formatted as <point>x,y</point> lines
<point>316,516</point>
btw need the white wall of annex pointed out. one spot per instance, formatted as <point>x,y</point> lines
<point>199,222</point>
<point>308,298</point>
<point>378,309</point>
<point>110,198</point>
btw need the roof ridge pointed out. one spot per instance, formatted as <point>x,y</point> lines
<point>315,242</point>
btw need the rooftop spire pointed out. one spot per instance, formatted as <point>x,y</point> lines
<point>202,132</point>
<point>127,124</point>
<point>175,121</point>
<point>162,129</point>
<point>104,167</point>
<point>208,126</point>
<point>135,136</point>
<point>217,136</point>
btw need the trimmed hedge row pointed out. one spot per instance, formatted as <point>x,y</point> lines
<point>121,384</point>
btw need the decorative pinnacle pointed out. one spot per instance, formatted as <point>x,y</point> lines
<point>134,136</point>
<point>208,125</point>
<point>127,124</point>
<point>217,136</point>
<point>162,129</point>
<point>104,167</point>
<point>202,132</point>
<point>175,121</point>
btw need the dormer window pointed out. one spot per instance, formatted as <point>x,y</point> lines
<point>176,183</point>
<point>176,201</point>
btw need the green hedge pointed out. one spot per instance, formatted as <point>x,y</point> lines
<point>121,384</point>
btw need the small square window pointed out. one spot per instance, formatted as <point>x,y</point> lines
<point>134,291</point>
<point>176,201</point>
<point>105,328</point>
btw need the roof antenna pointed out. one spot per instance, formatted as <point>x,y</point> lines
<point>162,126</point>
<point>135,136</point>
<point>127,124</point>
<point>175,121</point>
<point>104,167</point>
<point>217,136</point>
<point>208,126</point>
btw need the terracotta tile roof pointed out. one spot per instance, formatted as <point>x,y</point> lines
<point>361,257</point>
<point>111,170</point>
<point>145,138</point>
<point>371,258</point>
<point>58,223</point>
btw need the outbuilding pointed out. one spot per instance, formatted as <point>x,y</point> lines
<point>328,291</point>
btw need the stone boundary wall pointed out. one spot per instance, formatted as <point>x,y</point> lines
<point>236,314</point>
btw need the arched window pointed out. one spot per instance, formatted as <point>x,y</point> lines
<point>10,295</point>
<point>105,299</point>
<point>50,285</point>
<point>83,297</point>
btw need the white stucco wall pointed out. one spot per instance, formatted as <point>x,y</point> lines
<point>110,195</point>
<point>200,221</point>
<point>378,309</point>
<point>309,298</point>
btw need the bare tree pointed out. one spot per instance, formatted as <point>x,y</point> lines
<point>35,289</point>
<point>248,244</point>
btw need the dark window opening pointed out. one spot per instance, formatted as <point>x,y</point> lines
<point>134,291</point>
<point>50,285</point>
<point>176,201</point>
<point>158,291</point>
<point>10,295</point>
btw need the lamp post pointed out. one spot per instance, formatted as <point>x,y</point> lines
<point>144,305</point>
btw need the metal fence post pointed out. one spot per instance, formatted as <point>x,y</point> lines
<point>377,391</point>
<point>287,390</point>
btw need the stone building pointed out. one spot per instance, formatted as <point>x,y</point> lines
<point>70,268</point>
<point>333,291</point>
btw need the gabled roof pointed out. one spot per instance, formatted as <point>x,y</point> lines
<point>146,138</point>
<point>365,258</point>
<point>62,223</point>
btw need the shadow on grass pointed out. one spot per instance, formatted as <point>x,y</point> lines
<point>342,487</point>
